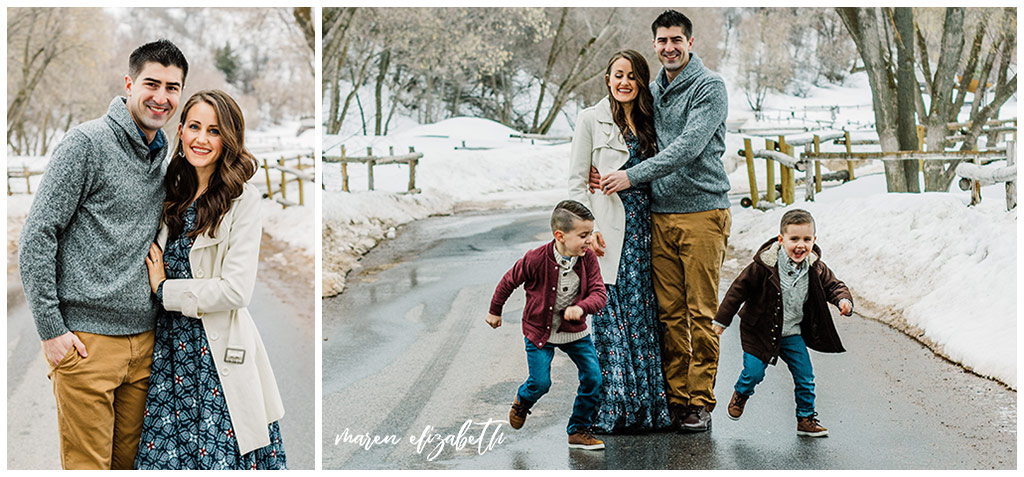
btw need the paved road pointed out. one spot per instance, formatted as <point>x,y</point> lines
<point>288,335</point>
<point>409,360</point>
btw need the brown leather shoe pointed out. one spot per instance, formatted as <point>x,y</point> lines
<point>697,420</point>
<point>677,412</point>
<point>736,405</point>
<point>809,426</point>
<point>517,415</point>
<point>583,439</point>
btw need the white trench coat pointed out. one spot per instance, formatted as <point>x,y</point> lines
<point>224,275</point>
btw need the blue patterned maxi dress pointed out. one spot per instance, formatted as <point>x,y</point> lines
<point>626,329</point>
<point>186,425</point>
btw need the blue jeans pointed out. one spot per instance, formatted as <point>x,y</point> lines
<point>794,352</point>
<point>583,354</point>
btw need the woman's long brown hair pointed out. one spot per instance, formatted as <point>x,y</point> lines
<point>234,166</point>
<point>643,105</point>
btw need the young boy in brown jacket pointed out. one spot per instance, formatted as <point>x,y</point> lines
<point>786,289</point>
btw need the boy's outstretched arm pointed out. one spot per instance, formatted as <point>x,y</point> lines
<point>509,282</point>
<point>837,292</point>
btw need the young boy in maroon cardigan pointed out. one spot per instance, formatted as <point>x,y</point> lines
<point>563,284</point>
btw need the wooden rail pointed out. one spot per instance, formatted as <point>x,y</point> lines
<point>299,173</point>
<point>974,177</point>
<point>411,159</point>
<point>21,173</point>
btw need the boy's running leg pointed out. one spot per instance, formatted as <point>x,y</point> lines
<point>793,351</point>
<point>583,354</point>
<point>538,360</point>
<point>750,377</point>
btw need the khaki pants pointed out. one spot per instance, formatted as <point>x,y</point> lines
<point>101,400</point>
<point>687,252</point>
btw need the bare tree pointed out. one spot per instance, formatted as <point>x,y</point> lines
<point>873,33</point>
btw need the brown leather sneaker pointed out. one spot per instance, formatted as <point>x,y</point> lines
<point>583,439</point>
<point>809,426</point>
<point>517,415</point>
<point>697,420</point>
<point>736,405</point>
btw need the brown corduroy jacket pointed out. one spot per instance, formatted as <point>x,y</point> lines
<point>758,290</point>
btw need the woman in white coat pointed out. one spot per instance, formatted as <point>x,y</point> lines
<point>615,134</point>
<point>213,402</point>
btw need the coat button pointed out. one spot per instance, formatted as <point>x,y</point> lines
<point>199,273</point>
<point>225,371</point>
<point>214,335</point>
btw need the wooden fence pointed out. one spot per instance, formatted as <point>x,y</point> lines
<point>299,174</point>
<point>22,172</point>
<point>411,159</point>
<point>783,152</point>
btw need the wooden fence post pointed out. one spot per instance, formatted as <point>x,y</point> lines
<point>809,178</point>
<point>28,180</point>
<point>749,152</point>
<point>284,195</point>
<point>412,170</point>
<point>849,150</point>
<point>270,187</point>
<point>298,166</point>
<point>817,164</point>
<point>344,170</point>
<point>369,165</point>
<point>770,145</point>
<point>1011,186</point>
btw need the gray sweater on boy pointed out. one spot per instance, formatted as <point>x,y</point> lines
<point>687,174</point>
<point>83,245</point>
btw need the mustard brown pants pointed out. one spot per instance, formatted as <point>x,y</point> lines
<point>687,253</point>
<point>101,400</point>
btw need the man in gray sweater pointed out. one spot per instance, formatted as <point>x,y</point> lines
<point>690,216</point>
<point>81,255</point>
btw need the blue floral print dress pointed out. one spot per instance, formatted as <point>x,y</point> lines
<point>626,330</point>
<point>187,425</point>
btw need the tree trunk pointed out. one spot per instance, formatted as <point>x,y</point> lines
<point>382,70</point>
<point>906,89</point>
<point>553,54</point>
<point>937,174</point>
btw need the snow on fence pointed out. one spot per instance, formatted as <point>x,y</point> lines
<point>283,165</point>
<point>411,159</point>
<point>541,137</point>
<point>974,175</point>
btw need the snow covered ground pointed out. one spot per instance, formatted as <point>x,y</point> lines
<point>929,262</point>
<point>292,225</point>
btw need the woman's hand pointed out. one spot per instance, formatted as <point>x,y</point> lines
<point>598,244</point>
<point>155,265</point>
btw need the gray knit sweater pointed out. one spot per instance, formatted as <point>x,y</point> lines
<point>689,117</point>
<point>82,248</point>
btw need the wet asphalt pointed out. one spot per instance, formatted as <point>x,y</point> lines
<point>408,360</point>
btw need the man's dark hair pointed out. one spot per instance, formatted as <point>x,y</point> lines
<point>566,213</point>
<point>671,18</point>
<point>161,51</point>
<point>796,217</point>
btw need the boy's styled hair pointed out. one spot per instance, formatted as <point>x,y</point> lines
<point>671,18</point>
<point>566,213</point>
<point>161,51</point>
<point>796,217</point>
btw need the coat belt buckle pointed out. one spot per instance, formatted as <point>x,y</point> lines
<point>234,355</point>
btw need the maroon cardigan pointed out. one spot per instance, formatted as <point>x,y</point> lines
<point>539,272</point>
